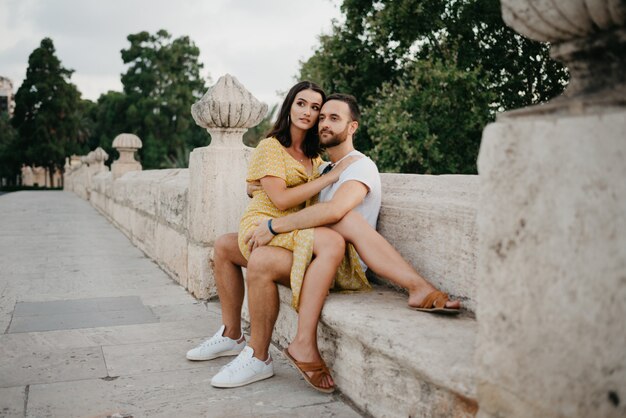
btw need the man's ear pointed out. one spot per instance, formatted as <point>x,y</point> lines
<point>354,125</point>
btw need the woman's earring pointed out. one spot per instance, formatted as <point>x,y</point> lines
<point>288,120</point>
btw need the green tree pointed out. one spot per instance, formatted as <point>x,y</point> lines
<point>109,119</point>
<point>382,42</point>
<point>430,121</point>
<point>47,111</point>
<point>255,134</point>
<point>9,156</point>
<point>162,82</point>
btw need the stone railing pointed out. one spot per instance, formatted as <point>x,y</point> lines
<point>536,243</point>
<point>40,176</point>
<point>174,216</point>
<point>552,227</point>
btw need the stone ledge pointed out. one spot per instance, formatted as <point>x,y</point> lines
<point>381,352</point>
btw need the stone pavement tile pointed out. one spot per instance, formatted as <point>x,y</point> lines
<point>194,311</point>
<point>12,402</point>
<point>13,344</point>
<point>5,320</point>
<point>51,322</point>
<point>165,294</point>
<point>32,365</point>
<point>77,305</point>
<point>159,356</point>
<point>183,393</point>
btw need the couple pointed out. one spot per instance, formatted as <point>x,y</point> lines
<point>286,237</point>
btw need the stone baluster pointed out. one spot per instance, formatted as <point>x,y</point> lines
<point>217,196</point>
<point>552,227</point>
<point>99,156</point>
<point>126,145</point>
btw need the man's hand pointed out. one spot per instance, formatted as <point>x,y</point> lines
<point>252,187</point>
<point>260,236</point>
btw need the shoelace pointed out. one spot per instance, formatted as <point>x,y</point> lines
<point>237,364</point>
<point>212,341</point>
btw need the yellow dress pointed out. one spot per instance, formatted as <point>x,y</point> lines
<point>271,159</point>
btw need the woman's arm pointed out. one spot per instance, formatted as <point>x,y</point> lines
<point>284,197</point>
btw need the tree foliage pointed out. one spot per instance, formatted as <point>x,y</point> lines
<point>47,111</point>
<point>429,122</point>
<point>381,44</point>
<point>254,135</point>
<point>9,155</point>
<point>162,82</point>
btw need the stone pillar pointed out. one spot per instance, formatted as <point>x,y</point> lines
<point>217,196</point>
<point>126,145</point>
<point>552,227</point>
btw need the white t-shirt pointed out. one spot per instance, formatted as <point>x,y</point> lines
<point>365,171</point>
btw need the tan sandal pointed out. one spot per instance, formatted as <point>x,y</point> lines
<point>318,370</point>
<point>435,302</point>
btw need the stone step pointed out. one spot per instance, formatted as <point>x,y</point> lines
<point>389,360</point>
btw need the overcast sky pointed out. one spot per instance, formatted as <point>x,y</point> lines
<point>259,42</point>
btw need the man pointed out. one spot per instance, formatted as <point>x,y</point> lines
<point>358,189</point>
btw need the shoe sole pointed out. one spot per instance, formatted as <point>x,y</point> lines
<point>218,355</point>
<point>253,379</point>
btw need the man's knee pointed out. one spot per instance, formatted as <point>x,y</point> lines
<point>225,244</point>
<point>226,250</point>
<point>329,242</point>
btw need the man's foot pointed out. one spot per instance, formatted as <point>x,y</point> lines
<point>243,370</point>
<point>217,346</point>
<point>299,354</point>
<point>430,299</point>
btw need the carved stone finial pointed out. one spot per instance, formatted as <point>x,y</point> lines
<point>228,106</point>
<point>100,155</point>
<point>127,141</point>
<point>588,36</point>
<point>126,145</point>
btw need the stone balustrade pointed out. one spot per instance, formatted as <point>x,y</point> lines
<point>536,244</point>
<point>552,227</point>
<point>176,215</point>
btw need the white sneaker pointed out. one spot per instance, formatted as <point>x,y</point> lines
<point>217,346</point>
<point>243,370</point>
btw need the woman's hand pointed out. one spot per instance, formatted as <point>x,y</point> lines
<point>343,164</point>
<point>253,186</point>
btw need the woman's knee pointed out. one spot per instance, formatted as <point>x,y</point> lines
<point>328,242</point>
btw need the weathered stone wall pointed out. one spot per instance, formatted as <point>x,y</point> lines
<point>552,227</point>
<point>429,219</point>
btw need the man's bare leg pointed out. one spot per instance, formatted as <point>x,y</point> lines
<point>267,266</point>
<point>382,258</point>
<point>227,263</point>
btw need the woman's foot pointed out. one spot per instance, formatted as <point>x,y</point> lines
<point>307,354</point>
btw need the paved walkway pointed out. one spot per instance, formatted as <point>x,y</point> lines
<point>92,328</point>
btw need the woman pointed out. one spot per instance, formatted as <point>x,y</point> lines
<point>287,165</point>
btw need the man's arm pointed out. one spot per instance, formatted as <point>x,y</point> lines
<point>347,197</point>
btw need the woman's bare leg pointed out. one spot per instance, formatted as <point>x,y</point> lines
<point>382,258</point>
<point>328,250</point>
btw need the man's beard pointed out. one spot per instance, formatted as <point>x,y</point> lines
<point>335,140</point>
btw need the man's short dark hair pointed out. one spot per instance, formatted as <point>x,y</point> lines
<point>350,100</point>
